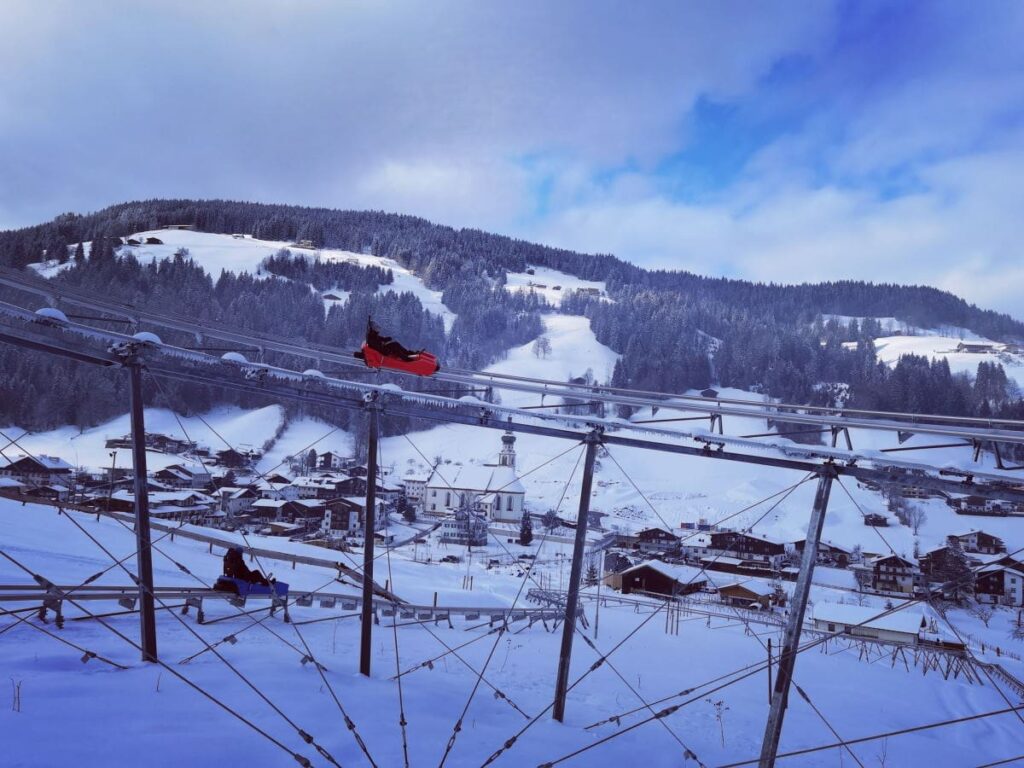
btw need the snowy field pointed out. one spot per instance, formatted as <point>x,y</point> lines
<point>549,284</point>
<point>891,348</point>
<point>214,252</point>
<point>145,709</point>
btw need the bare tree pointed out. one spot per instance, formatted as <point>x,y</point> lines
<point>982,612</point>
<point>542,346</point>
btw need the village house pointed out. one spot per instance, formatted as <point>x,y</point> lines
<point>1000,584</point>
<point>50,492</point>
<point>652,540</point>
<point>496,487</point>
<point>978,505</point>
<point>236,501</point>
<point>978,542</point>
<point>468,526</point>
<point>892,573</point>
<point>331,461</point>
<point>656,577</point>
<point>975,348</point>
<point>342,516</point>
<point>39,470</point>
<point>186,505</point>
<point>415,487</point>
<point>876,520</point>
<point>865,622</point>
<point>750,593</point>
<point>829,553</point>
<point>184,476</point>
<point>750,549</point>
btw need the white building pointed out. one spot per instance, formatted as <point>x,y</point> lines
<point>495,488</point>
<point>865,622</point>
<point>415,488</point>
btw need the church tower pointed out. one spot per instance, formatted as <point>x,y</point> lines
<point>507,457</point>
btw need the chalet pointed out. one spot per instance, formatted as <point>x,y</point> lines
<point>865,622</point>
<point>750,593</point>
<point>229,457</point>
<point>468,526</point>
<point>1000,584</point>
<point>342,516</point>
<point>829,553</point>
<point>978,542</point>
<point>236,501</point>
<point>694,546</point>
<point>590,291</point>
<point>10,485</point>
<point>281,509</point>
<point>325,487</point>
<point>495,487</point>
<point>661,578</point>
<point>656,540</point>
<point>892,573</point>
<point>975,348</point>
<point>709,393</point>
<point>187,505</point>
<point>49,492</point>
<point>978,505</point>
<point>330,460</point>
<point>154,241</point>
<point>876,520</point>
<point>333,296</point>
<point>184,476</point>
<point>133,241</point>
<point>356,486</point>
<point>753,549</point>
<point>186,227</point>
<point>39,470</point>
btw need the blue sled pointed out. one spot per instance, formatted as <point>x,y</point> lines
<point>244,588</point>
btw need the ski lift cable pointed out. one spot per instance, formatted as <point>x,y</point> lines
<point>402,722</point>
<point>527,576</point>
<point>300,731</point>
<point>301,759</point>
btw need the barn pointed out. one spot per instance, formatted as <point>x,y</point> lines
<point>656,577</point>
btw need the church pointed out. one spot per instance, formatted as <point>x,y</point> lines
<point>494,488</point>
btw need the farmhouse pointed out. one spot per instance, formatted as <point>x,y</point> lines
<point>978,542</point>
<point>974,348</point>
<point>750,593</point>
<point>39,470</point>
<point>864,621</point>
<point>892,573</point>
<point>652,540</point>
<point>754,549</point>
<point>660,578</point>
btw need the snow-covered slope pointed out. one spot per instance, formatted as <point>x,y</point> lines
<point>891,348</point>
<point>215,252</point>
<point>550,284</point>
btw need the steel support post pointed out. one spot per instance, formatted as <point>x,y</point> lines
<point>368,533</point>
<point>791,637</point>
<point>593,440</point>
<point>144,552</point>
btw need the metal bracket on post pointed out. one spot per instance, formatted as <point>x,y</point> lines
<point>593,440</point>
<point>791,637</point>
<point>366,630</point>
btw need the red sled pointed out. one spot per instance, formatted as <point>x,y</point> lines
<point>421,363</point>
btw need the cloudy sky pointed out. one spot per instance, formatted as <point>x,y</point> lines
<point>777,141</point>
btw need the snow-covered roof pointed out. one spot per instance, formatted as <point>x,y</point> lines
<point>751,585</point>
<point>481,478</point>
<point>684,574</point>
<point>852,615</point>
<point>8,482</point>
<point>51,463</point>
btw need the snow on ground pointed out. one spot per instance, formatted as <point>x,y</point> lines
<point>215,252</point>
<point>146,710</point>
<point>550,284</point>
<point>891,348</point>
<point>239,427</point>
<point>894,326</point>
<point>50,268</point>
<point>299,437</point>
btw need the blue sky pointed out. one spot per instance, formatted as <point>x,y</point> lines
<point>774,141</point>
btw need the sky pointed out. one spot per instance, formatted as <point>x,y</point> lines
<point>775,141</point>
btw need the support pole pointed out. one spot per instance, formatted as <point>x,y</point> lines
<point>575,572</point>
<point>791,637</point>
<point>368,532</point>
<point>144,552</point>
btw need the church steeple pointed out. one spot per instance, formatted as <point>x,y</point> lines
<point>507,457</point>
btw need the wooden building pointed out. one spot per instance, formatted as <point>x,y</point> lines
<point>656,577</point>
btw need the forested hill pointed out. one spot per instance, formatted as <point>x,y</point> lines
<point>674,330</point>
<point>437,252</point>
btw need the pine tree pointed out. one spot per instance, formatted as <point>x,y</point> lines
<point>526,530</point>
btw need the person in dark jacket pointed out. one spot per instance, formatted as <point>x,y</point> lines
<point>386,345</point>
<point>235,568</point>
